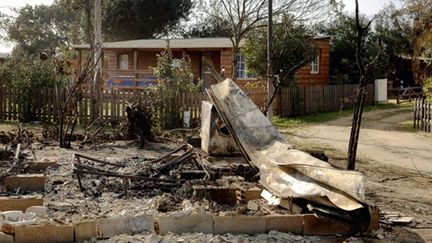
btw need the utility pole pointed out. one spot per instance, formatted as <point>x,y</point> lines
<point>97,78</point>
<point>270,88</point>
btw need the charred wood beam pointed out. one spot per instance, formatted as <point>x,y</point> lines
<point>131,177</point>
<point>186,148</point>
<point>94,160</point>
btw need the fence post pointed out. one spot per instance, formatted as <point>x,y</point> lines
<point>2,97</point>
<point>422,110</point>
<point>398,97</point>
<point>429,114</point>
<point>415,113</point>
<point>305,99</point>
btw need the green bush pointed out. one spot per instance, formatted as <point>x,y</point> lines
<point>427,88</point>
<point>175,77</point>
<point>26,78</point>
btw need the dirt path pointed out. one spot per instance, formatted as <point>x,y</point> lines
<point>385,137</point>
<point>397,162</point>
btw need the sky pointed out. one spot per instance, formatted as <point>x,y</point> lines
<point>368,7</point>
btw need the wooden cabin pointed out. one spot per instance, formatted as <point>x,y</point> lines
<point>130,62</point>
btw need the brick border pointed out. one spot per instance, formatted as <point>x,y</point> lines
<point>305,224</point>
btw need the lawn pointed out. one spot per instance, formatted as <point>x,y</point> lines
<point>284,122</point>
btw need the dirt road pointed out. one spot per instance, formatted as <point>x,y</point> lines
<point>385,137</point>
<point>396,160</point>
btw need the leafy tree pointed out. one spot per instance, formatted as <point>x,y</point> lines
<point>40,28</point>
<point>207,27</point>
<point>292,47</point>
<point>394,29</point>
<point>139,19</point>
<point>243,16</point>
<point>420,11</point>
<point>82,28</point>
<point>342,29</point>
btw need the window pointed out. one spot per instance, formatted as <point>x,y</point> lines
<point>315,65</point>
<point>241,68</point>
<point>123,62</point>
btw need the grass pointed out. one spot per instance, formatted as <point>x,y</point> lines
<point>408,126</point>
<point>285,122</point>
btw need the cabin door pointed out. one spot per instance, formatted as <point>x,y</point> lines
<point>205,70</point>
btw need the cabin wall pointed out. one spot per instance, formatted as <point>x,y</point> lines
<point>304,76</point>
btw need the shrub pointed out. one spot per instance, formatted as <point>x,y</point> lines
<point>175,77</point>
<point>27,78</point>
<point>427,88</point>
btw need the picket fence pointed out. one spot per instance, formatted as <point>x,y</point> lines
<point>423,115</point>
<point>290,101</point>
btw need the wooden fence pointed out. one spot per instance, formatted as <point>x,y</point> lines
<point>423,115</point>
<point>294,101</point>
<point>290,101</point>
<point>405,94</point>
<point>44,105</point>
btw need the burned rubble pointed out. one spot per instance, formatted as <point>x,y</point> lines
<point>245,178</point>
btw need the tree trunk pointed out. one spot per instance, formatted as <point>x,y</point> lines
<point>271,91</point>
<point>355,128</point>
<point>235,50</point>
<point>97,79</point>
<point>358,111</point>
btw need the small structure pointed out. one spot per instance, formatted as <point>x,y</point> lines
<point>381,91</point>
<point>130,63</point>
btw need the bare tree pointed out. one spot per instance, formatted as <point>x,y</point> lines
<point>362,92</point>
<point>68,98</point>
<point>242,16</point>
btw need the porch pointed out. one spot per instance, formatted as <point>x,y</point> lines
<point>133,68</point>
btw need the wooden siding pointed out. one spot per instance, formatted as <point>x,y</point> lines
<point>304,75</point>
<point>146,58</point>
<point>226,62</point>
<point>195,60</point>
